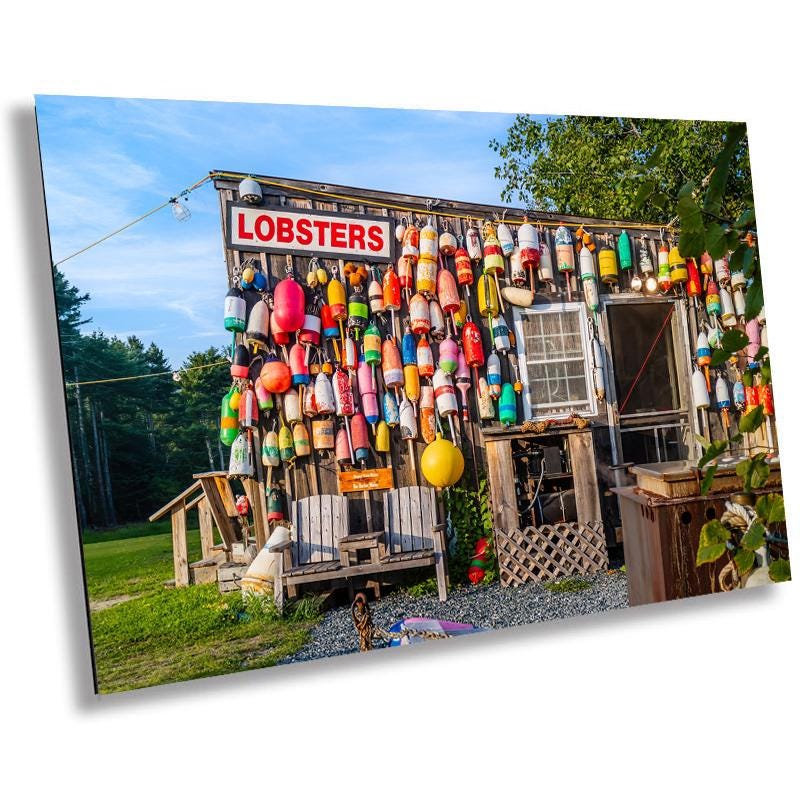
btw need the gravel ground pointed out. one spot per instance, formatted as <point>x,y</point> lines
<point>489,606</point>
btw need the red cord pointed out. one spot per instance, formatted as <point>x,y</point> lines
<point>646,359</point>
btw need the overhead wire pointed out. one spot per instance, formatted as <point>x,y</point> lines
<point>133,222</point>
<point>70,384</point>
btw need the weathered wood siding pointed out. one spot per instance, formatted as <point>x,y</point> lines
<point>318,473</point>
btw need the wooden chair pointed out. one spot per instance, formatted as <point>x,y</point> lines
<point>413,537</point>
<point>312,556</point>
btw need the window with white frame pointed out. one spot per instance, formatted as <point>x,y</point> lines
<point>554,356</point>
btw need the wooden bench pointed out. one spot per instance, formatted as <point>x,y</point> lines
<point>323,550</point>
<point>177,509</point>
<point>212,494</point>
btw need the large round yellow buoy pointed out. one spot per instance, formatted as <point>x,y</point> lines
<point>442,463</point>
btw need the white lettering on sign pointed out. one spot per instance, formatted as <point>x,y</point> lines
<point>279,230</point>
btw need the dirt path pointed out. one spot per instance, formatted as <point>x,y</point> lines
<point>99,605</point>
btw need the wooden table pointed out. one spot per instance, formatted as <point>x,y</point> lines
<point>363,548</point>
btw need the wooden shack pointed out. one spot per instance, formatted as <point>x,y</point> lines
<point>586,412</point>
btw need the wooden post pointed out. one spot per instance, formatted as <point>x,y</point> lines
<point>584,475</point>
<point>258,503</point>
<point>501,480</point>
<point>218,511</point>
<point>180,555</point>
<point>206,529</point>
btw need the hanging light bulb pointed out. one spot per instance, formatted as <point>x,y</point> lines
<point>179,210</point>
<point>651,284</point>
<point>636,283</point>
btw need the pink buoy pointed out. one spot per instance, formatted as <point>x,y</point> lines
<point>448,355</point>
<point>289,306</point>
<point>298,366</point>
<point>343,454</point>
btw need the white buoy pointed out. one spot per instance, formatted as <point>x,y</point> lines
<point>586,264</point>
<point>700,391</point>
<point>739,303</point>
<point>446,402</point>
<point>506,239</point>
<point>728,315</point>
<point>599,372</point>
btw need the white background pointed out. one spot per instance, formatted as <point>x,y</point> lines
<point>697,698</point>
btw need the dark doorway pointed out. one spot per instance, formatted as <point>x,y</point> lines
<point>652,423</point>
<point>644,357</point>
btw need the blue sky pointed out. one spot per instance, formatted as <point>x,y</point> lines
<point>108,160</point>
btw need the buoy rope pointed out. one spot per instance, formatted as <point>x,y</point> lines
<point>367,630</point>
<point>376,202</point>
<point>137,220</point>
<point>146,375</point>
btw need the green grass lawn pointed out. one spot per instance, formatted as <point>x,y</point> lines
<point>163,634</point>
<point>131,564</point>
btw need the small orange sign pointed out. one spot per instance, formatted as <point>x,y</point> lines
<point>365,480</point>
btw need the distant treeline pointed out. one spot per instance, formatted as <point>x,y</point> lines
<point>135,444</point>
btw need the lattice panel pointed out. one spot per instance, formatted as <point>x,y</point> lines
<point>550,552</point>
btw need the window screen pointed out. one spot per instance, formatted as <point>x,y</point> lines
<point>644,357</point>
<point>557,378</point>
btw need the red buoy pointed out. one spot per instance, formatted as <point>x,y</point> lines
<point>472,344</point>
<point>241,362</point>
<point>279,334</point>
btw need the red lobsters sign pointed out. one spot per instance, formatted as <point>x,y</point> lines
<point>276,229</point>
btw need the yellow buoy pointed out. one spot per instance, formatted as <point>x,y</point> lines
<point>442,463</point>
<point>382,440</point>
<point>678,272</point>
<point>487,296</point>
<point>411,382</point>
<point>460,316</point>
<point>607,258</point>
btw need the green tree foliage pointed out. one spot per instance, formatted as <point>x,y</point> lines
<point>69,302</point>
<point>194,417</point>
<point>598,166</point>
<point>135,443</point>
<point>709,221</point>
